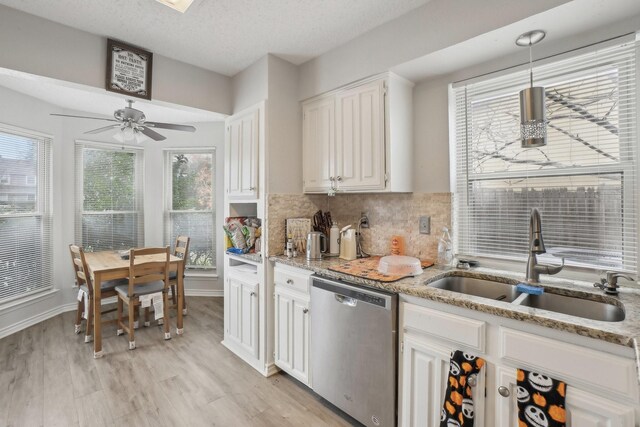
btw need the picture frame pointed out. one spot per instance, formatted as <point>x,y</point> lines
<point>129,70</point>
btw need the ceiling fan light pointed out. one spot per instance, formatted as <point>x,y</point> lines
<point>118,137</point>
<point>139,137</point>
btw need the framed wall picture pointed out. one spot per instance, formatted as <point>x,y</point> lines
<point>129,69</point>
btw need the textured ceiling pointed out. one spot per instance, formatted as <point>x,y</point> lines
<point>224,35</point>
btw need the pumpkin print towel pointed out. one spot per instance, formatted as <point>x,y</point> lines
<point>540,400</point>
<point>457,410</point>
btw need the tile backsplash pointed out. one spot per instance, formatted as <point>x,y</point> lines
<point>389,215</point>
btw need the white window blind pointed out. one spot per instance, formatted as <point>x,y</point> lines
<point>25,215</point>
<point>584,181</point>
<point>109,197</point>
<point>190,204</point>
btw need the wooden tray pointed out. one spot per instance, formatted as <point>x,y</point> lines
<point>367,268</point>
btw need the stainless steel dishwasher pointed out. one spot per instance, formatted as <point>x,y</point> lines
<point>353,349</point>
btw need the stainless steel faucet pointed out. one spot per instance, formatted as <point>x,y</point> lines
<point>536,247</point>
<point>610,284</point>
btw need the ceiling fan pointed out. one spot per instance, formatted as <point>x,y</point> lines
<point>133,125</point>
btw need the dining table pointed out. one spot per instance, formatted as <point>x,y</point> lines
<point>110,265</point>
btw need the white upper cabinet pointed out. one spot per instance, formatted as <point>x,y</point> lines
<point>242,140</point>
<point>360,156</point>
<point>319,137</point>
<point>359,138</point>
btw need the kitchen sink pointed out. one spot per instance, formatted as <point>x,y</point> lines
<point>477,287</point>
<point>574,306</point>
<point>565,304</point>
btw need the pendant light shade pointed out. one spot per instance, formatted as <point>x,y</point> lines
<point>533,120</point>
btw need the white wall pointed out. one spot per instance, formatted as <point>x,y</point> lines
<point>284,128</point>
<point>45,48</point>
<point>20,110</point>
<point>250,85</point>
<point>432,27</point>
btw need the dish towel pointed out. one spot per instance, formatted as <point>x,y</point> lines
<point>540,400</point>
<point>457,409</point>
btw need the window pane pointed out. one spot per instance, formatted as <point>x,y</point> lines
<point>111,216</point>
<point>18,160</point>
<point>190,207</point>
<point>192,181</point>
<point>109,180</point>
<point>25,223</point>
<point>23,260</point>
<point>583,181</point>
<point>200,227</point>
<point>101,232</point>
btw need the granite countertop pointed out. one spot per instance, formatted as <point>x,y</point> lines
<point>626,332</point>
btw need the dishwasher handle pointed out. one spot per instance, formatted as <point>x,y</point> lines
<point>348,301</point>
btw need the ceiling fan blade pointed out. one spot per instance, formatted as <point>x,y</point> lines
<point>152,134</point>
<point>103,129</point>
<point>83,117</point>
<point>172,126</point>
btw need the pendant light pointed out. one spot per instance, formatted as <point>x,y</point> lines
<point>533,122</point>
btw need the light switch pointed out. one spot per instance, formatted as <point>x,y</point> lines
<point>425,225</point>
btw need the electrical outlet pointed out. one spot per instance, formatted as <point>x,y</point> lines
<point>425,225</point>
<point>364,220</point>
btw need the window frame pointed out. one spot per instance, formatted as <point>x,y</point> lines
<point>169,152</point>
<point>80,146</point>
<point>43,208</point>
<point>628,166</point>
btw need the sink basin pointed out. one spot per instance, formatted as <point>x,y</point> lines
<point>575,306</point>
<point>477,287</point>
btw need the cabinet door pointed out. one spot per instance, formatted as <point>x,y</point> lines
<point>318,137</point>
<point>283,331</point>
<point>243,314</point>
<point>583,409</point>
<point>242,156</point>
<point>425,373</point>
<point>300,337</point>
<point>292,335</point>
<point>360,144</point>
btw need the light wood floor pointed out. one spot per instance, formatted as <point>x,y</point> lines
<point>48,377</point>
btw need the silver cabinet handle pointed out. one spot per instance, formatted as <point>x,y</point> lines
<point>305,310</point>
<point>253,294</point>
<point>504,391</point>
<point>289,282</point>
<point>339,178</point>
<point>331,178</point>
<point>252,188</point>
<point>472,381</point>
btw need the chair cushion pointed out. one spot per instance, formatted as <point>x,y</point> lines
<point>109,285</point>
<point>145,289</point>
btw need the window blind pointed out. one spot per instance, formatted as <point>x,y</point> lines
<point>190,204</point>
<point>584,181</point>
<point>25,216</point>
<point>109,197</point>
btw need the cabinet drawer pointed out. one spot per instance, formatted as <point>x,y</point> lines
<point>449,327</point>
<point>292,278</point>
<point>574,364</point>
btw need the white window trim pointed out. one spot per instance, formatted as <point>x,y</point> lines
<point>79,171</point>
<point>503,263</point>
<point>209,272</point>
<point>44,211</point>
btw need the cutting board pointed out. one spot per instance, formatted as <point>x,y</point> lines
<point>367,268</point>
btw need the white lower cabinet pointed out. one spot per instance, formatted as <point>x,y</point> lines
<point>601,391</point>
<point>243,321</point>
<point>292,322</point>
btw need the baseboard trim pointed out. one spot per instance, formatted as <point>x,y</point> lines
<point>204,292</point>
<point>25,323</point>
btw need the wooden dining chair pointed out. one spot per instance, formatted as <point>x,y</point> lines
<point>181,250</point>
<point>85,285</point>
<point>148,275</point>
